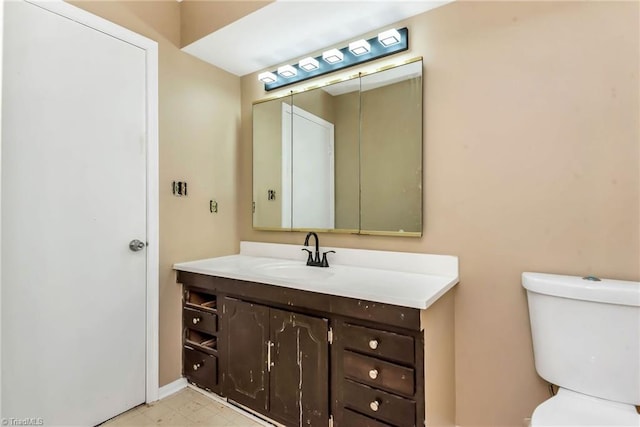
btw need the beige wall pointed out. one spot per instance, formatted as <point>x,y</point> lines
<point>199,126</point>
<point>531,159</point>
<point>438,324</point>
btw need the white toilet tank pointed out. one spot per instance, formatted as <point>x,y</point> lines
<point>586,334</point>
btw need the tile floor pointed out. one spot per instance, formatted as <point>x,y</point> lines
<point>185,408</point>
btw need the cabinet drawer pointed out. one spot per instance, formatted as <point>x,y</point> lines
<point>200,300</point>
<point>379,373</point>
<point>201,368</point>
<point>379,404</point>
<point>379,343</point>
<point>354,419</point>
<point>201,341</point>
<point>200,320</point>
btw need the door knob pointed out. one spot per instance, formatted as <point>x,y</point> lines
<point>136,245</point>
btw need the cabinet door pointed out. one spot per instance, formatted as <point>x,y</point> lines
<point>299,386</point>
<point>246,335</point>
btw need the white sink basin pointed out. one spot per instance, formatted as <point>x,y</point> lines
<point>293,271</point>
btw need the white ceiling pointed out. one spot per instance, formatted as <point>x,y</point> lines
<point>287,30</point>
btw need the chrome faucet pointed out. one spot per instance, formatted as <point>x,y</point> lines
<point>314,261</point>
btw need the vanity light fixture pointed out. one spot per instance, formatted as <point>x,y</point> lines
<point>287,71</point>
<point>360,47</point>
<point>267,77</point>
<point>332,56</point>
<point>389,37</point>
<point>358,52</point>
<point>308,64</point>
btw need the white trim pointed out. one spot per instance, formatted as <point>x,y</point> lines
<point>212,396</point>
<point>1,56</point>
<point>286,165</point>
<point>171,388</point>
<point>153,227</point>
<point>151,47</point>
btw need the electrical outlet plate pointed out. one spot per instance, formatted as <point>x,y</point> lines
<point>179,188</point>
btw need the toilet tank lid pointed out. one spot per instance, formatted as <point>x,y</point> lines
<point>609,291</point>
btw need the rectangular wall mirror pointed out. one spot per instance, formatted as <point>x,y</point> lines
<point>345,157</point>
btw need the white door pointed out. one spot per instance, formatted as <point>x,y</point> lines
<point>73,197</point>
<point>312,199</point>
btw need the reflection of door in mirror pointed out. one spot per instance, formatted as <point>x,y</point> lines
<point>308,176</point>
<point>339,104</point>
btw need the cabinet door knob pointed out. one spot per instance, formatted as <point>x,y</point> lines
<point>373,344</point>
<point>375,405</point>
<point>196,320</point>
<point>196,366</point>
<point>373,374</point>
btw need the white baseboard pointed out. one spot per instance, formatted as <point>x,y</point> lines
<point>173,387</point>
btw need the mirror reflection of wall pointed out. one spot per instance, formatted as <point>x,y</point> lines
<point>346,157</point>
<point>267,164</point>
<point>391,150</point>
<point>347,104</point>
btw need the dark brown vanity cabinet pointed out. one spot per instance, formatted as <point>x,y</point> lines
<point>200,337</point>
<point>303,358</point>
<point>277,362</point>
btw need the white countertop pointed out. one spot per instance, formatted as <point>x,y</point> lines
<point>399,278</point>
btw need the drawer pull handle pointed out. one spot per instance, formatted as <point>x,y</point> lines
<point>373,344</point>
<point>373,374</point>
<point>196,320</point>
<point>375,405</point>
<point>196,366</point>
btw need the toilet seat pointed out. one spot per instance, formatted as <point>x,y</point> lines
<point>568,408</point>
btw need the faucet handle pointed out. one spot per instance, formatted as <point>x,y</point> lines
<point>310,257</point>
<point>325,263</point>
